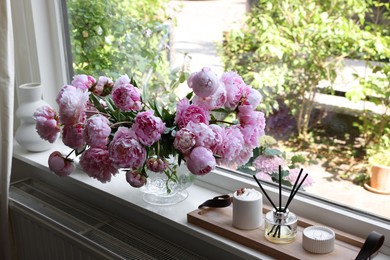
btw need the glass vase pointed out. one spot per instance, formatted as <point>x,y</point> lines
<point>159,190</point>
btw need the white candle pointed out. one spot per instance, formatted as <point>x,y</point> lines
<point>318,234</point>
<point>317,239</point>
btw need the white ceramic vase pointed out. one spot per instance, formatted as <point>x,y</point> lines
<point>30,98</point>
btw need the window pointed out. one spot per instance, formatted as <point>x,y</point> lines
<point>115,34</point>
<point>51,62</point>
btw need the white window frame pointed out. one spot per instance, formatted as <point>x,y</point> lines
<point>38,25</point>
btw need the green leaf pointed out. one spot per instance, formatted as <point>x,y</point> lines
<point>189,95</point>
<point>272,152</point>
<point>96,103</point>
<point>110,104</point>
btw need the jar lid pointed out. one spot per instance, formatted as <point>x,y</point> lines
<point>318,239</point>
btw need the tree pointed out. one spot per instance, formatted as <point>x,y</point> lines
<point>286,48</point>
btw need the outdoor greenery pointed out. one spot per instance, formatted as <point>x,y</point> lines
<point>291,50</point>
<point>116,37</point>
<point>287,49</point>
<point>375,127</point>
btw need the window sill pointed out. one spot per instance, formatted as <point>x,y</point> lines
<point>118,197</point>
<point>128,201</point>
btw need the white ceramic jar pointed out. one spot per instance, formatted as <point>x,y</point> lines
<point>247,209</point>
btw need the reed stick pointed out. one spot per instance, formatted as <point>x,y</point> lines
<point>292,190</point>
<point>297,189</point>
<point>280,188</point>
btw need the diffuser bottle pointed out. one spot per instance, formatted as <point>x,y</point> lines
<point>280,226</point>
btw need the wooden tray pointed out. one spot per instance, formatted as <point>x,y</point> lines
<point>219,221</point>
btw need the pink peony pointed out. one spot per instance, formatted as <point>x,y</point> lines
<point>72,105</point>
<point>47,124</point>
<point>230,147</point>
<point>293,175</point>
<point>184,140</point>
<point>148,128</point>
<point>127,98</point>
<point>201,161</point>
<point>204,135</point>
<point>124,132</point>
<point>62,90</point>
<point>103,87</point>
<point>218,136</point>
<point>268,164</point>
<point>83,82</point>
<point>181,107</point>
<point>250,97</point>
<point>97,130</point>
<point>135,179</point>
<point>252,135</point>
<point>215,101</point>
<point>252,125</point>
<point>234,86</point>
<point>60,165</point>
<point>96,162</point>
<point>244,156</point>
<point>247,116</point>
<point>122,81</point>
<point>157,164</point>
<point>190,113</point>
<point>204,83</point>
<point>73,136</point>
<point>125,150</point>
<point>264,176</point>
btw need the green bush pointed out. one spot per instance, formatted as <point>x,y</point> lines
<point>116,37</point>
<point>286,48</point>
<point>375,127</point>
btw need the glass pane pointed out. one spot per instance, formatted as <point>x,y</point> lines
<point>325,95</point>
<point>116,37</point>
<point>287,64</point>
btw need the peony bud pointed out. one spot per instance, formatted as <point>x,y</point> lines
<point>204,83</point>
<point>158,164</point>
<point>60,165</point>
<point>135,179</point>
<point>201,161</point>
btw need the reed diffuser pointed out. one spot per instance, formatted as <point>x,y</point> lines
<point>280,223</point>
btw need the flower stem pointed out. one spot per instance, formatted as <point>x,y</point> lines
<point>70,153</point>
<point>120,123</point>
<point>222,121</point>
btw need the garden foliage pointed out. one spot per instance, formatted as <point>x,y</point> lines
<point>116,37</point>
<point>286,49</point>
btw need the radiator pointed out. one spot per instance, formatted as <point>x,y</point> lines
<point>48,224</point>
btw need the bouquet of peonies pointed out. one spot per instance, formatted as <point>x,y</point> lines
<point>111,127</point>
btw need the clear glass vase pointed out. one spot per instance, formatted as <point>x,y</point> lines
<point>159,190</point>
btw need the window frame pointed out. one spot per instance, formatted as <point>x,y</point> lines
<point>41,24</point>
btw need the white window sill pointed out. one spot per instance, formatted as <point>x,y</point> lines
<point>176,216</point>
